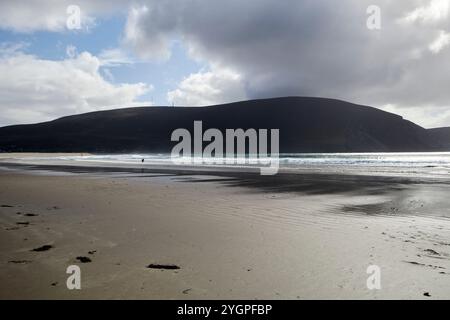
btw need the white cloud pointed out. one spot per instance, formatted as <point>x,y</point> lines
<point>33,89</point>
<point>10,48</point>
<point>50,15</point>
<point>34,15</point>
<point>157,47</point>
<point>434,11</point>
<point>440,43</point>
<point>114,57</point>
<point>217,86</point>
<point>426,116</point>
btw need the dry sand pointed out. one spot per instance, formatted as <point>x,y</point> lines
<point>232,239</point>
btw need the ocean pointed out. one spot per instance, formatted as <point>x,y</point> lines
<point>434,164</point>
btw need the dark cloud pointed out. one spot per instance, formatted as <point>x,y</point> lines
<point>317,48</point>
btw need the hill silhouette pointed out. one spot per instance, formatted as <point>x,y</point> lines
<point>306,125</point>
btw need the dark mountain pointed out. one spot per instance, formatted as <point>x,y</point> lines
<point>441,137</point>
<point>306,125</point>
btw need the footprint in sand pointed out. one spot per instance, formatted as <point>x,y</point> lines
<point>30,215</point>
<point>432,252</point>
<point>20,261</point>
<point>84,259</point>
<point>42,248</point>
<point>163,266</point>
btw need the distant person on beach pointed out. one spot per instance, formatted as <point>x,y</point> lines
<point>142,160</point>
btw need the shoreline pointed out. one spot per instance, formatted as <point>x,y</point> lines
<point>430,170</point>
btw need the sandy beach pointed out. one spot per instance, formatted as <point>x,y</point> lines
<point>230,235</point>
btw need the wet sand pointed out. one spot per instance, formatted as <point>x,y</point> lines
<point>159,234</point>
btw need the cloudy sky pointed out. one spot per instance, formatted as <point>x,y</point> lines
<point>54,62</point>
